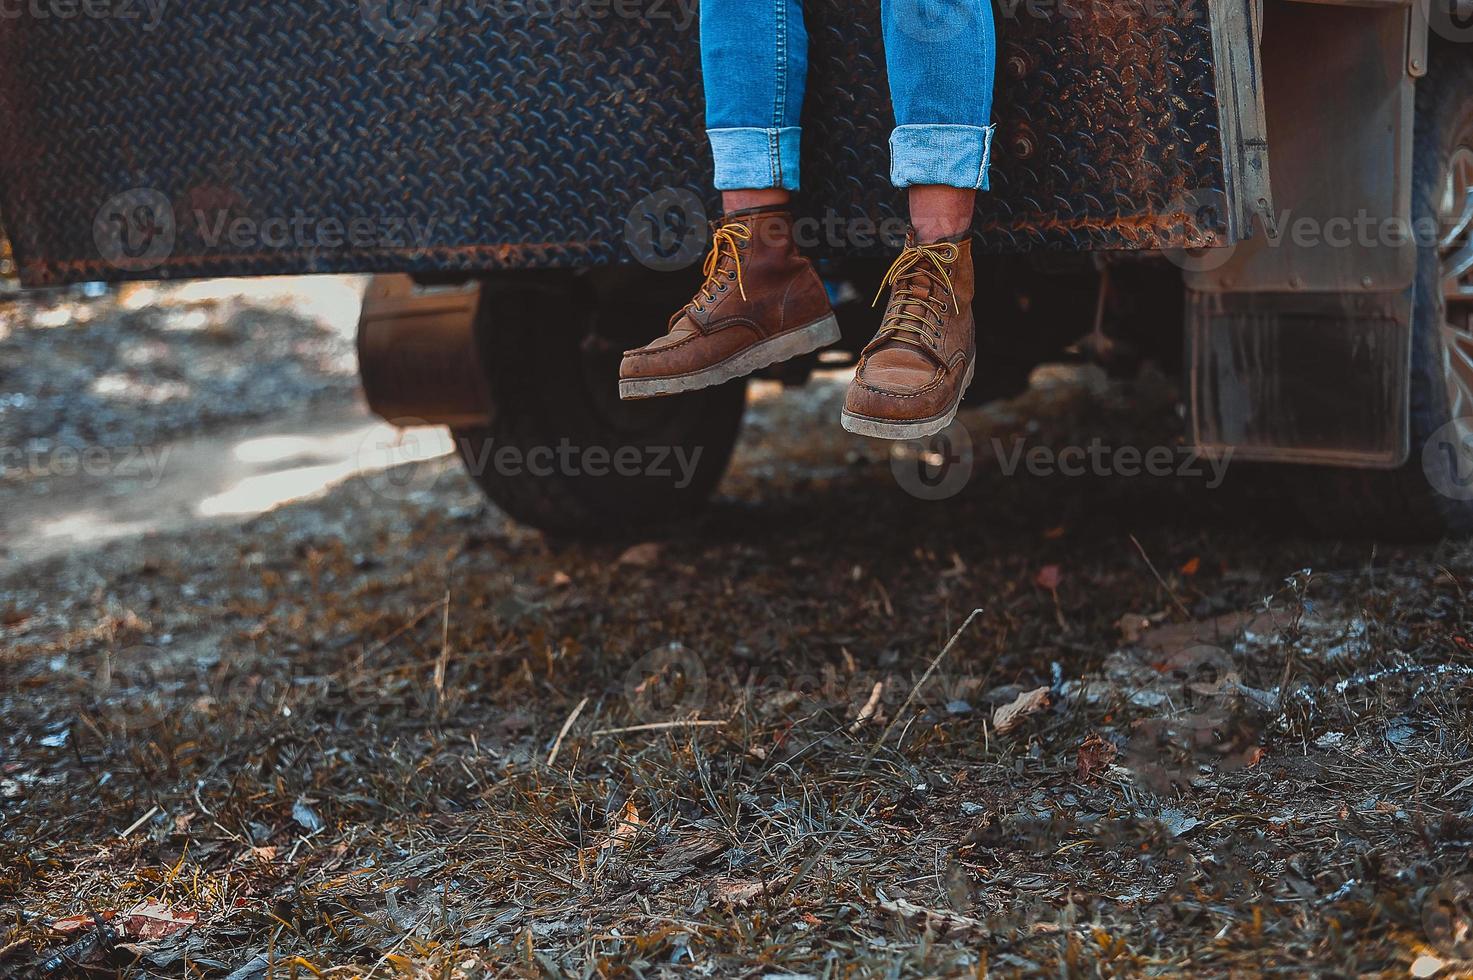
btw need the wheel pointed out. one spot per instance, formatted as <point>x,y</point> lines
<point>562,452</point>
<point>1431,495</point>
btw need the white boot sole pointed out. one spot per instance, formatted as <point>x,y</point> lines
<point>917,429</point>
<point>764,353</point>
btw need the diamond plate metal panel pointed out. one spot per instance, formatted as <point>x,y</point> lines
<point>215,137</point>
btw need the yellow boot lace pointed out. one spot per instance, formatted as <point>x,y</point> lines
<point>726,240</point>
<point>908,312</point>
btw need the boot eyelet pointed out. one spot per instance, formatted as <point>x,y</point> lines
<point>721,288</point>
<point>731,277</point>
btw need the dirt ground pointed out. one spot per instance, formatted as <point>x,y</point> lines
<point>382,729</point>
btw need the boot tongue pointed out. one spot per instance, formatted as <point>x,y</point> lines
<point>901,350</point>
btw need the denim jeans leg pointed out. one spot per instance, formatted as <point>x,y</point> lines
<point>941,56</point>
<point>754,64</point>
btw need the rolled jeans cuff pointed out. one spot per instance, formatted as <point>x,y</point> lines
<point>749,158</point>
<point>956,156</point>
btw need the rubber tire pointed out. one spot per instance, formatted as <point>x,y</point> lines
<point>553,378</point>
<point>1402,504</point>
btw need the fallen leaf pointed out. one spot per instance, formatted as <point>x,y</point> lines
<point>154,920</point>
<point>1048,577</point>
<point>1192,566</point>
<point>1095,756</point>
<point>641,555</point>
<point>947,925</point>
<point>742,892</point>
<point>1427,965</point>
<point>1054,533</point>
<point>561,580</point>
<point>868,711</point>
<point>1010,716</point>
<point>627,829</point>
<point>74,922</point>
<point>306,816</point>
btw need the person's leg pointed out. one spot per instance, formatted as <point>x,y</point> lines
<point>941,56</point>
<point>762,302</point>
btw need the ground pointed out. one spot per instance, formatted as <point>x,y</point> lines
<point>381,728</point>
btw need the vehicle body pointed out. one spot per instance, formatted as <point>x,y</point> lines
<point>1154,165</point>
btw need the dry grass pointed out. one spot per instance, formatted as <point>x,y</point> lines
<point>344,772</point>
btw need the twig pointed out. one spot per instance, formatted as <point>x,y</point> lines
<point>654,725</point>
<point>552,756</point>
<point>874,750</point>
<point>1145,558</point>
<point>140,822</point>
<point>413,622</point>
<point>443,663</point>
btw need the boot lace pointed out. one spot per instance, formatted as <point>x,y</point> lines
<point>725,241</point>
<point>908,312</point>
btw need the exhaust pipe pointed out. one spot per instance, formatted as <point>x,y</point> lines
<point>419,359</point>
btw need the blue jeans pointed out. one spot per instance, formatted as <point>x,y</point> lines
<point>940,55</point>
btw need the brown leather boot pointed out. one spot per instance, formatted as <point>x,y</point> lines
<point>911,377</point>
<point>762,303</point>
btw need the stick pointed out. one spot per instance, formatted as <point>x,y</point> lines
<point>443,664</point>
<point>1159,579</point>
<point>652,726</point>
<point>552,756</point>
<point>140,822</point>
<point>874,750</point>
